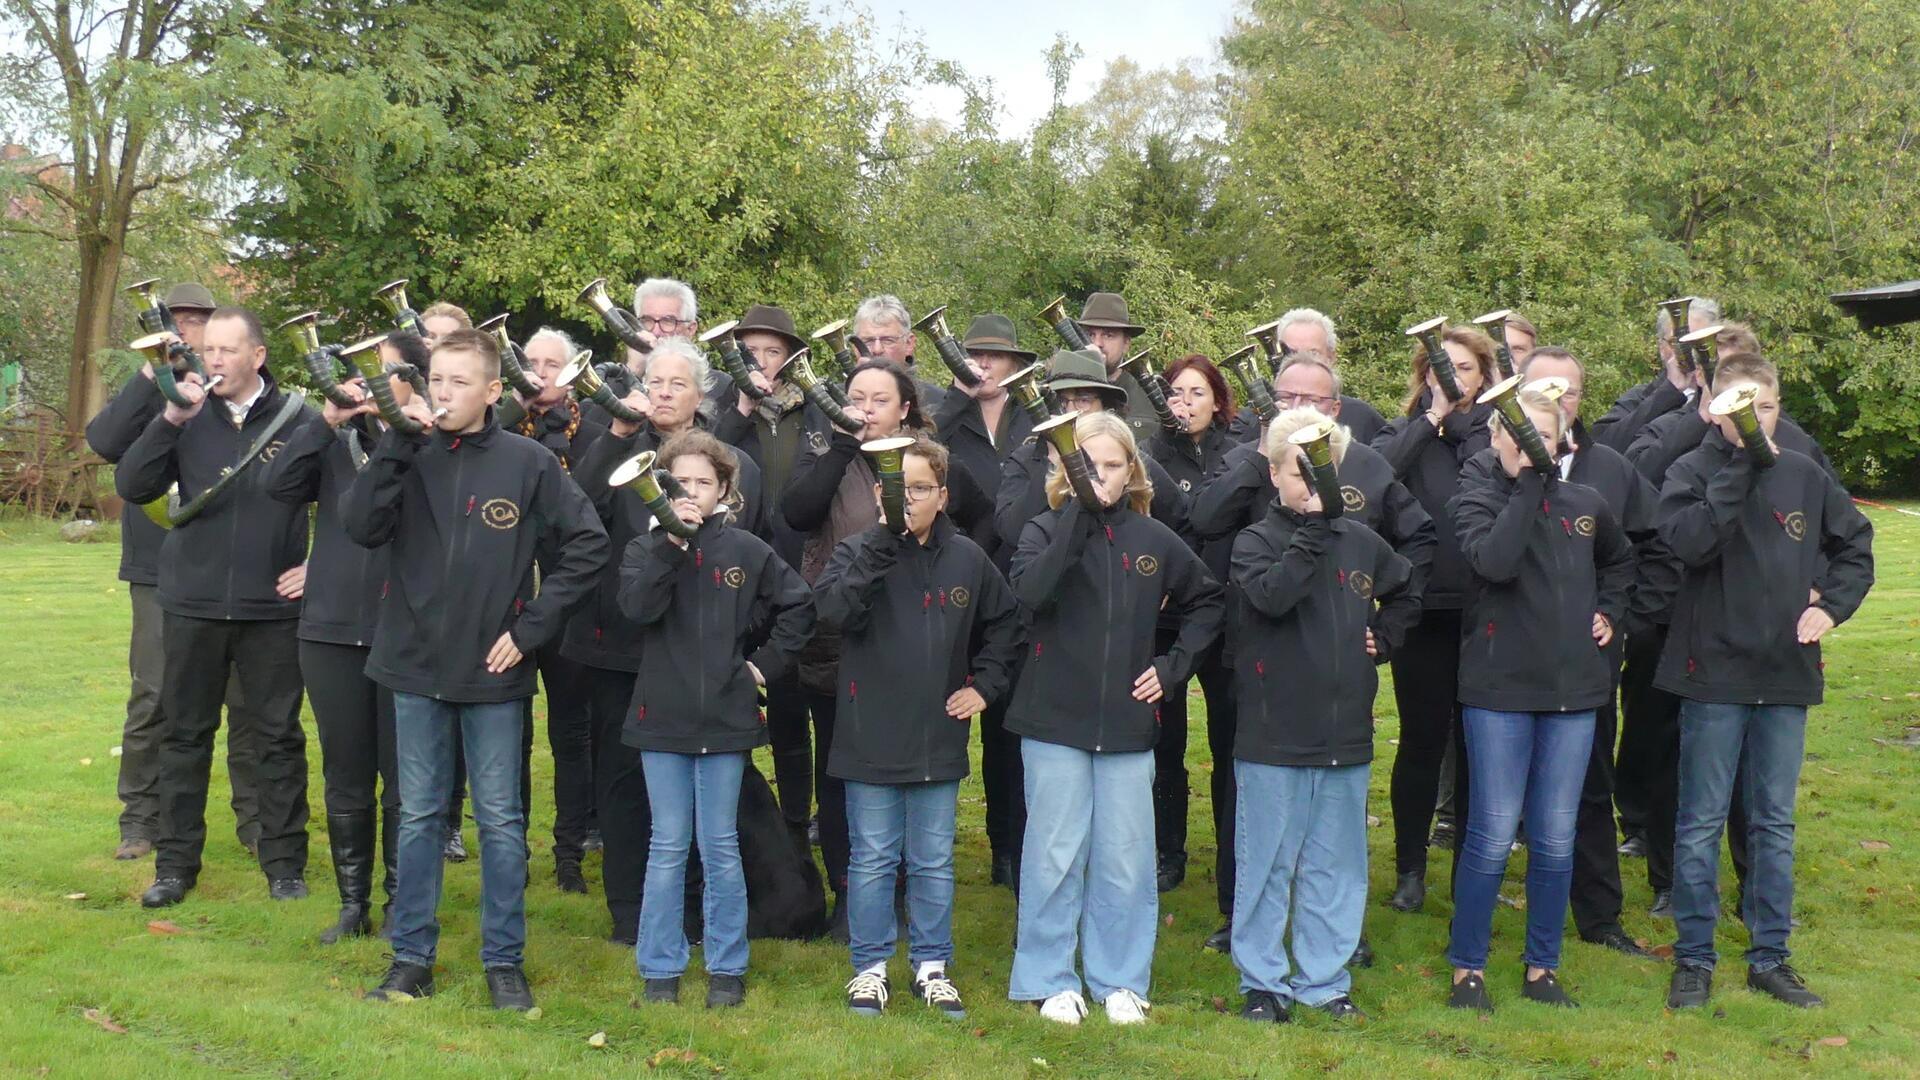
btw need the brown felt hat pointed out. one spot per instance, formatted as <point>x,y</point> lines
<point>1083,369</point>
<point>772,320</point>
<point>189,296</point>
<point>994,333</point>
<point>1108,310</point>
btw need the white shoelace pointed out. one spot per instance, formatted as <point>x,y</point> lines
<point>868,985</point>
<point>1126,1007</point>
<point>1067,1006</point>
<point>939,988</point>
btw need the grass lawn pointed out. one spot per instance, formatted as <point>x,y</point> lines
<point>90,989</point>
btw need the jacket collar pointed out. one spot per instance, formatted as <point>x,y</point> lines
<point>472,440</point>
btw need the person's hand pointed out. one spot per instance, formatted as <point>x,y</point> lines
<point>1313,504</point>
<point>196,395</point>
<point>1814,624</point>
<point>354,388</point>
<point>686,511</point>
<point>745,402</point>
<point>965,703</point>
<point>639,403</point>
<point>1437,404</point>
<point>503,655</point>
<point>1146,687</point>
<point>417,411</point>
<point>1373,647</point>
<point>533,380</point>
<point>758,679</point>
<point>1681,378</point>
<point>1602,630</point>
<point>292,584</point>
<point>979,373</point>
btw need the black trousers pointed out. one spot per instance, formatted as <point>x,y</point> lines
<point>620,791</point>
<point>1645,715</point>
<point>835,846</point>
<point>1003,774</point>
<point>1596,896</point>
<point>792,749</point>
<point>1172,793</point>
<point>201,655</point>
<point>353,716</point>
<point>1426,683</point>
<point>572,736</point>
<point>1223,717</point>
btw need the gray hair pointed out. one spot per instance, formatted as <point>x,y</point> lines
<point>885,308</point>
<point>678,290</point>
<point>548,333</point>
<point>1312,358</point>
<point>1663,326</point>
<point>1317,318</point>
<point>688,351</point>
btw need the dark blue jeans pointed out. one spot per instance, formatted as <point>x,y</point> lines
<point>1711,738</point>
<point>1520,762</point>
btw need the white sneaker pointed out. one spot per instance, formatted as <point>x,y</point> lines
<point>1065,1007</point>
<point>1126,1007</point>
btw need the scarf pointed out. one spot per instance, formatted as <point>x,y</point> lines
<point>553,429</point>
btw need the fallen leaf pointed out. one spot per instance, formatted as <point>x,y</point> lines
<point>1219,1004</point>
<point>597,1040</point>
<point>99,1018</point>
<point>1168,920</point>
<point>1719,1014</point>
<point>1373,822</point>
<point>1042,1062</point>
<point>979,1033</point>
<point>1670,1056</point>
<point>86,761</point>
<point>1876,845</point>
<point>162,926</point>
<point>533,1013</point>
<point>115,752</point>
<point>1663,951</point>
<point>76,896</point>
<point>1834,1040</point>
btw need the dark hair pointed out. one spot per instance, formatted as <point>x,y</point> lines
<point>473,341</point>
<point>1223,408</point>
<point>909,391</point>
<point>255,332</point>
<point>1471,338</point>
<point>694,441</point>
<point>412,349</point>
<point>933,453</point>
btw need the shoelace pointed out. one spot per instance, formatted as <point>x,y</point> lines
<point>1128,997</point>
<point>868,985</point>
<point>939,988</point>
<point>1793,977</point>
<point>511,980</point>
<point>1075,1003</point>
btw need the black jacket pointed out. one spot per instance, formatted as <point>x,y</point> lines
<point>1545,557</point>
<point>960,427</point>
<point>1360,418</point>
<point>1094,583</point>
<point>345,582</point>
<point>1753,544</point>
<point>1302,677</point>
<point>1022,495</point>
<point>696,607</point>
<point>807,504</point>
<point>112,430</point>
<point>908,615</point>
<point>465,515</point>
<point>1673,436</point>
<point>1428,461</point>
<point>227,562</point>
<point>1635,409</point>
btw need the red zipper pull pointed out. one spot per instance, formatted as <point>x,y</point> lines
<point>470,499</point>
<point>1126,567</point>
<point>1109,529</point>
<point>698,557</point>
<point>943,598</point>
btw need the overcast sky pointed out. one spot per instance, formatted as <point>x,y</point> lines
<point>1006,41</point>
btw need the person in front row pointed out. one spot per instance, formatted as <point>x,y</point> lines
<point>1095,579</point>
<point>1307,638</point>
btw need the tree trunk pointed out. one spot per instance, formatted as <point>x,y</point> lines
<point>92,325</point>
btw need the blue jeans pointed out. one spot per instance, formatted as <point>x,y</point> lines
<point>693,795</point>
<point>1711,739</point>
<point>1086,873</point>
<point>1531,763</point>
<point>425,732</point>
<point>1300,845</point>
<point>885,822</point>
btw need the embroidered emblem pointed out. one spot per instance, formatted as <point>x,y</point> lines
<point>1147,565</point>
<point>273,450</point>
<point>735,577</point>
<point>1583,525</point>
<point>960,596</point>
<point>1796,526</point>
<point>1361,584</point>
<point>500,513</point>
<point>1352,499</point>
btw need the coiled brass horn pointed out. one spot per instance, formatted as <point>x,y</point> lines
<point>587,385</point>
<point>1316,450</point>
<point>732,360</point>
<point>1154,385</point>
<point>934,325</point>
<point>394,295</point>
<point>1027,390</point>
<point>624,324</point>
<point>303,330</point>
<point>1703,347</point>
<point>513,359</point>
<point>1428,334</point>
<point>1059,431</point>
<point>1495,323</point>
<point>168,511</point>
<point>1677,310</point>
<point>888,457</point>
<point>1245,364</point>
<point>1055,315</point>
<point>799,371</point>
<point>364,355</point>
<point>1505,397</point>
<point>1737,402</point>
<point>638,474</point>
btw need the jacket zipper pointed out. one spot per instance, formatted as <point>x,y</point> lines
<point>1340,630</point>
<point>1106,645</point>
<point>459,533</point>
<point>935,622</point>
<point>1561,568</point>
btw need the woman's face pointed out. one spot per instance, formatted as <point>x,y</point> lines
<point>1466,370</point>
<point>877,394</point>
<point>1110,467</point>
<point>1193,401</point>
<point>1512,458</point>
<point>1293,483</point>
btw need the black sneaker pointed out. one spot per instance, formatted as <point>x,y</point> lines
<point>1633,847</point>
<point>1264,1006</point>
<point>165,892</point>
<point>1171,872</point>
<point>404,982</point>
<point>593,842</point>
<point>940,994</point>
<point>1616,939</point>
<point>1409,892</point>
<point>1690,988</point>
<point>1362,955</point>
<point>662,991</point>
<point>1546,990</point>
<point>1784,984</point>
<point>725,991</point>
<point>287,888</point>
<point>1470,993</point>
<point>566,873</point>
<point>1662,904</point>
<point>1342,1008</point>
<point>508,986</point>
<point>1002,871</point>
<point>1220,941</point>
<point>867,994</point>
<point>453,848</point>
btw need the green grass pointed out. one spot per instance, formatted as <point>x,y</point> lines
<point>243,988</point>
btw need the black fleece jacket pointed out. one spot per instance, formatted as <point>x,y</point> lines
<point>907,614</point>
<point>345,582</point>
<point>1428,461</point>
<point>465,515</point>
<point>112,430</point>
<point>696,607</point>
<point>1633,410</point>
<point>1546,556</point>
<point>1094,583</point>
<point>1022,495</point>
<point>226,562</point>
<point>1754,543</point>
<point>960,426</point>
<point>1302,677</point>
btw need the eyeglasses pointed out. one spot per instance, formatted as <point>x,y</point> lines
<point>881,343</point>
<point>190,318</point>
<point>921,492</point>
<point>657,323</point>
<point>1292,401</point>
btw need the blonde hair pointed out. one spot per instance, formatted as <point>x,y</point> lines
<point>448,311</point>
<point>1139,487</point>
<point>1536,405</point>
<point>1293,420</point>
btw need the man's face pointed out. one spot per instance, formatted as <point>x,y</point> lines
<point>438,327</point>
<point>1520,344</point>
<point>926,497</point>
<point>1553,367</point>
<point>660,316</point>
<point>1306,386</point>
<point>1304,335</point>
<point>994,366</point>
<point>674,392</point>
<point>545,358</point>
<point>1078,400</point>
<point>887,341</point>
<point>1111,343</point>
<point>192,324</point>
<point>460,384</point>
<point>767,351</point>
<point>230,351</point>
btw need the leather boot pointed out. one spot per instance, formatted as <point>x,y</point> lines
<point>350,837</point>
<point>390,861</point>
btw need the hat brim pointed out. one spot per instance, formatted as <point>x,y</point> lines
<point>1116,396</point>
<point>998,345</point>
<point>1107,325</point>
<point>794,342</point>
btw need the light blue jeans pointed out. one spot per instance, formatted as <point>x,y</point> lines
<point>693,796</point>
<point>885,823</point>
<point>1086,873</point>
<point>424,733</point>
<point>1300,845</point>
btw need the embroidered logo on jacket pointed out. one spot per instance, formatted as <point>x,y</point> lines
<point>1796,526</point>
<point>1361,583</point>
<point>1583,525</point>
<point>500,513</point>
<point>1147,565</point>
<point>960,596</point>
<point>735,577</point>
<point>816,442</point>
<point>1352,498</point>
<point>273,450</point>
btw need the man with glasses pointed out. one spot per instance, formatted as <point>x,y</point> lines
<point>884,331</point>
<point>1305,330</point>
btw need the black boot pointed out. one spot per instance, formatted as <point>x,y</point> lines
<point>350,837</point>
<point>390,862</point>
<point>566,872</point>
<point>1410,892</point>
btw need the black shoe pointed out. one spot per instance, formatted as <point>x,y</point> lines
<point>165,892</point>
<point>1633,847</point>
<point>1220,941</point>
<point>1616,939</point>
<point>626,939</point>
<point>567,873</point>
<point>1342,1008</point>
<point>1784,984</point>
<point>1662,904</point>
<point>662,991</point>
<point>1546,990</point>
<point>837,925</point>
<point>725,991</point>
<point>354,922</point>
<point>404,982</point>
<point>1172,871</point>
<point>1690,988</point>
<point>133,847</point>
<point>1443,835</point>
<point>1410,891</point>
<point>1470,993</point>
<point>867,994</point>
<point>1003,872</point>
<point>593,842</point>
<point>455,848</point>
<point>940,995</point>
<point>1362,955</point>
<point>507,984</point>
<point>1265,1007</point>
<point>287,888</point>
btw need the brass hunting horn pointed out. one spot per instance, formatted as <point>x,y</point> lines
<point>1025,386</point>
<point>1155,388</point>
<point>1267,335</point>
<point>1428,334</point>
<point>934,325</point>
<point>1055,315</point>
<point>167,511</point>
<point>799,371</point>
<point>1316,449</point>
<point>1505,396</point>
<point>1702,346</point>
<point>1737,402</point>
<point>303,330</point>
<point>622,322</point>
<point>1677,310</point>
<point>158,349</point>
<point>888,457</point>
<point>513,359</point>
<point>1059,431</point>
<point>588,385</point>
<point>732,361</point>
<point>364,355</point>
<point>1245,364</point>
<point>1495,323</point>
<point>394,295</point>
<point>638,473</point>
<point>840,363</point>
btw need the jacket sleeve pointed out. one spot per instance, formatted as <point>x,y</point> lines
<point>149,466</point>
<point>1410,530</point>
<point>752,516</point>
<point>1169,502</point>
<point>1227,503</point>
<point>855,576</point>
<point>1397,600</point>
<point>1022,495</point>
<point>579,550</point>
<point>1634,410</point>
<point>1201,605</point>
<point>1613,563</point>
<point>293,476</point>
<point>647,570</point>
<point>594,470</point>
<point>1493,527</point>
<point>1273,586</point>
<point>1401,442</point>
<point>1699,515</point>
<point>1041,561</point>
<point>1468,432</point>
<point>788,607</point>
<point>999,619</point>
<point>727,424</point>
<point>1846,539</point>
<point>969,505</point>
<point>1660,445</point>
<point>126,415</point>
<point>370,510</point>
<point>808,500</point>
